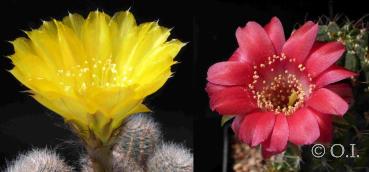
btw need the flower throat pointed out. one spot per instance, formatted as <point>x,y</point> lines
<point>283,91</point>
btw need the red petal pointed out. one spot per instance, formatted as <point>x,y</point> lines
<point>238,56</point>
<point>256,127</point>
<point>214,88</point>
<point>267,154</point>
<point>298,46</point>
<point>276,34</point>
<point>277,141</point>
<point>254,42</point>
<point>230,73</point>
<point>332,75</point>
<point>303,126</point>
<point>343,90</point>
<point>323,57</point>
<point>316,46</point>
<point>232,101</point>
<point>326,101</point>
<point>325,127</point>
<point>237,123</point>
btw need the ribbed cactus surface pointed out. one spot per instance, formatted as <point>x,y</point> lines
<point>139,137</point>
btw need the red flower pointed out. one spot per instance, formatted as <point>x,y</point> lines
<point>280,90</point>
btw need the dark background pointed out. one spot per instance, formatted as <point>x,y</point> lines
<point>181,106</point>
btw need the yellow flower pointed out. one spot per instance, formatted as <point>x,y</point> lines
<point>95,72</point>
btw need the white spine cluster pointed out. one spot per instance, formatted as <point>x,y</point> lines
<point>39,160</point>
<point>171,158</point>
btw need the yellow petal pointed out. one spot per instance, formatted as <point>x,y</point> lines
<point>153,73</point>
<point>69,108</point>
<point>153,86</point>
<point>23,46</point>
<point>96,36</point>
<point>126,23</point>
<point>26,57</point>
<point>71,48</point>
<point>106,99</point>
<point>138,108</point>
<point>123,27</point>
<point>128,58</point>
<point>75,22</point>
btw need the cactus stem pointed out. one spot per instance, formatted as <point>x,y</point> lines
<point>101,158</point>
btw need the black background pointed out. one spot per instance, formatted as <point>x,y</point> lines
<point>181,106</point>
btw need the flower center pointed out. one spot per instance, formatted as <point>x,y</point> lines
<point>280,85</point>
<point>283,94</point>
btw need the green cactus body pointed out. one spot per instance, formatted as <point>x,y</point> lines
<point>355,39</point>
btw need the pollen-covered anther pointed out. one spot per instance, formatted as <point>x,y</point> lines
<point>251,86</point>
<point>301,67</point>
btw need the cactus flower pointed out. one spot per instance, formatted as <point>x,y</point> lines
<point>280,90</point>
<point>95,71</point>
